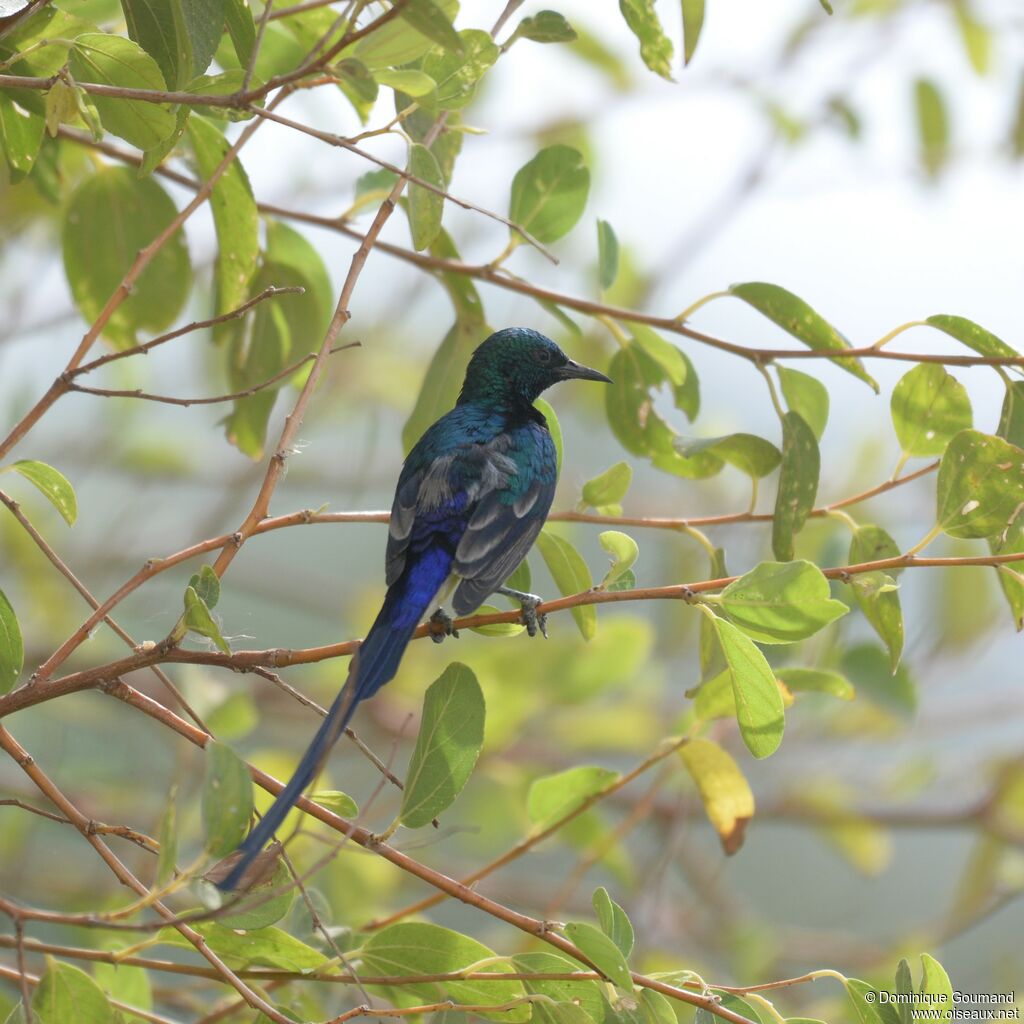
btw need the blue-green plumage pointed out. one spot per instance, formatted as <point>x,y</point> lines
<point>472,496</point>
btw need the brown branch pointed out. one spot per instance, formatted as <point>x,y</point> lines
<point>65,570</point>
<point>196,325</point>
<point>341,142</point>
<point>96,827</point>
<point>45,785</point>
<point>279,657</point>
<point>525,845</point>
<point>363,837</point>
<point>142,260</point>
<point>31,980</point>
<point>306,517</point>
<point>501,279</point>
<point>215,399</point>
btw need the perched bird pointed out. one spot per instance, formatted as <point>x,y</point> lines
<point>472,496</point>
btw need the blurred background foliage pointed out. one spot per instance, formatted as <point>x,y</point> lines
<point>868,161</point>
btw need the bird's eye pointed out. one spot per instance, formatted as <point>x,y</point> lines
<point>543,356</point>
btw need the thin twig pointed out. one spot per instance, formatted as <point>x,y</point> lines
<point>235,396</point>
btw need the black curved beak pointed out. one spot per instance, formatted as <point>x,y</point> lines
<point>576,371</point>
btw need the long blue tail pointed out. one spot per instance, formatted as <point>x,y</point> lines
<point>374,664</point>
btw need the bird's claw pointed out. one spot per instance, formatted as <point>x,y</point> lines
<point>444,620</point>
<point>528,604</point>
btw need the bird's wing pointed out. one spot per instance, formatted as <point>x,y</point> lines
<point>505,522</point>
<point>403,515</point>
<point>488,501</point>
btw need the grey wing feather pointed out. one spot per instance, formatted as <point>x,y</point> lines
<point>403,515</point>
<point>497,539</point>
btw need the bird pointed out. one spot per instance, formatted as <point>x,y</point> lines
<point>472,496</point>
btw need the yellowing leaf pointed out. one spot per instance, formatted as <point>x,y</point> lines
<point>723,789</point>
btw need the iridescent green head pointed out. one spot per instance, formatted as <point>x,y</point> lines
<point>514,365</point>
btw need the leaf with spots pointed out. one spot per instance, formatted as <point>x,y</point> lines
<point>798,484</point>
<point>796,317</point>
<point>929,405</point>
<point>980,487</point>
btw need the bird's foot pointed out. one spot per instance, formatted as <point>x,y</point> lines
<point>444,620</point>
<point>528,605</point>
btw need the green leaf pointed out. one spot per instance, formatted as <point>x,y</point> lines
<point>264,947</point>
<point>971,334</point>
<point>613,921</point>
<point>12,648</point>
<point>181,36</point>
<point>929,406</point>
<point>111,216</point>
<point>545,27</point>
<point>449,741</point>
<point>601,952</point>
<point>408,80</point>
<point>1012,581</point>
<point>457,73</point>
<point>586,995</point>
<point>881,608</point>
<point>21,135</point>
<point>420,948</point>
<point>795,317</point>
<point>798,484</point>
<point>549,194</point>
<point>759,708</point>
<point>637,369</point>
<point>168,838</point>
<point>433,22</point>
<point>447,367</point>
<point>264,904</point>
<point>571,576</point>
<point>127,985</point>
<point>498,629</point>
<point>655,46</point>
<point>693,22</point>
<point>335,800</point>
<point>206,584</point>
<point>281,330</point>
<point>935,981</point>
<point>932,126</point>
<point>53,484</point>
<point>113,60</point>
<point>980,485</point>
<point>67,993</point>
<point>807,396</point>
<point>816,680</point>
<point>904,987</point>
<point>624,551</point>
<point>554,428</point>
<point>863,997</point>
<point>425,205</point>
<point>199,620</point>
<point>227,799</point>
<point>234,717</point>
<point>553,797</point>
<point>397,43</point>
<point>975,36</point>
<point>869,668</point>
<point>607,254</point>
<point>1011,417</point>
<point>781,602</point>
<point>241,28</point>
<point>724,790</point>
<point>235,217</point>
<point>748,453</point>
<point>609,487</point>
<point>356,81</point>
